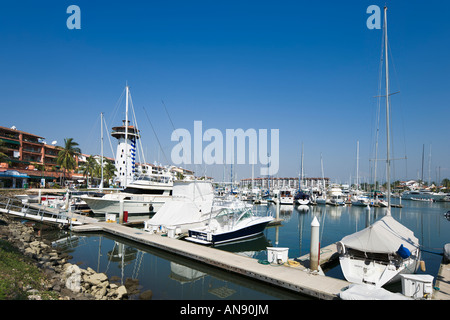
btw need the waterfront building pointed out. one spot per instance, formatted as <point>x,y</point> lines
<point>283,183</point>
<point>31,161</point>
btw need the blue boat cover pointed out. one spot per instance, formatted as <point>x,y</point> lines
<point>403,252</point>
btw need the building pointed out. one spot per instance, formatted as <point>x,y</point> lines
<point>283,183</point>
<point>31,160</point>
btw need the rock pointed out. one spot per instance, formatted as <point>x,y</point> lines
<point>121,292</point>
<point>73,283</point>
<point>95,279</point>
<point>146,295</point>
<point>72,269</point>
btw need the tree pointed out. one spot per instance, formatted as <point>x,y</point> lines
<point>3,156</point>
<point>66,157</point>
<point>88,168</point>
<point>109,171</point>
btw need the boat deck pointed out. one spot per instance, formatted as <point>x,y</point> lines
<point>294,278</point>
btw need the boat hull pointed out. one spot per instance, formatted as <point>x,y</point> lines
<point>204,237</point>
<point>101,206</point>
<point>365,271</point>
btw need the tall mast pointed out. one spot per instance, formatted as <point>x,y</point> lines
<point>357,165</point>
<point>101,145</point>
<point>301,171</point>
<point>126,137</point>
<point>388,164</point>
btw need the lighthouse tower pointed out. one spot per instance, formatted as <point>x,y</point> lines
<point>126,149</point>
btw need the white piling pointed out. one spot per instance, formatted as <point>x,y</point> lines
<point>314,253</point>
<point>121,211</point>
<point>278,209</point>
<point>39,195</point>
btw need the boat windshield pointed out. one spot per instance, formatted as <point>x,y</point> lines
<point>155,178</point>
<point>227,216</point>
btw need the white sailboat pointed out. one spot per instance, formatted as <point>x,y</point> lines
<point>380,253</point>
<point>301,198</point>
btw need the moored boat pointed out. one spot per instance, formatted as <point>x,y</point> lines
<point>230,225</point>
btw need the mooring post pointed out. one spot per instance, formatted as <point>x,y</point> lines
<point>278,209</point>
<point>121,211</point>
<point>315,245</point>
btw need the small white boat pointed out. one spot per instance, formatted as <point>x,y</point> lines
<point>230,225</point>
<point>302,198</point>
<point>362,201</point>
<point>286,197</point>
<point>378,254</point>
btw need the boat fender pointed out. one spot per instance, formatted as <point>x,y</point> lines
<point>403,252</point>
<point>150,208</point>
<point>422,266</point>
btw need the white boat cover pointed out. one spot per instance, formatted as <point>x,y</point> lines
<point>191,200</point>
<point>368,292</point>
<point>174,213</point>
<point>384,236</point>
<point>193,190</point>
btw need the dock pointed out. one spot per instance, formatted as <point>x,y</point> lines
<point>442,284</point>
<point>293,278</point>
<point>40,213</point>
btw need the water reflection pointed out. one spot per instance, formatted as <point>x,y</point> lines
<point>174,277</point>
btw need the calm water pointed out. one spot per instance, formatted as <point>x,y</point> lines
<point>176,278</point>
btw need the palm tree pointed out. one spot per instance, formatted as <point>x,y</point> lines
<point>88,168</point>
<point>66,157</point>
<point>109,171</point>
<point>3,156</point>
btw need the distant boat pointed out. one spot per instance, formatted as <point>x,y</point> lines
<point>286,197</point>
<point>361,200</point>
<point>302,198</point>
<point>423,194</point>
<point>380,253</point>
<point>335,196</point>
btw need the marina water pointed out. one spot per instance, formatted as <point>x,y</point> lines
<point>172,277</point>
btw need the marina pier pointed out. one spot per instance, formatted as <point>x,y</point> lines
<point>293,278</point>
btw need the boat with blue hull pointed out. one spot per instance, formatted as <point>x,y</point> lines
<point>230,225</point>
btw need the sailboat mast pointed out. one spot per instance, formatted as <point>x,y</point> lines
<point>388,165</point>
<point>101,145</point>
<point>301,171</point>
<point>126,137</point>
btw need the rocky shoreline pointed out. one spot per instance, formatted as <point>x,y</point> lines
<point>67,281</point>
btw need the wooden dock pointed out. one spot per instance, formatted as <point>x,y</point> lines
<point>442,283</point>
<point>294,278</point>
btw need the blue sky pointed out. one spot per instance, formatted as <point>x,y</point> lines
<point>307,68</point>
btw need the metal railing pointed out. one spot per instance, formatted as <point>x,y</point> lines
<point>16,207</point>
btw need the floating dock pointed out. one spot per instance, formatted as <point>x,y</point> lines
<point>294,278</point>
<point>442,284</point>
